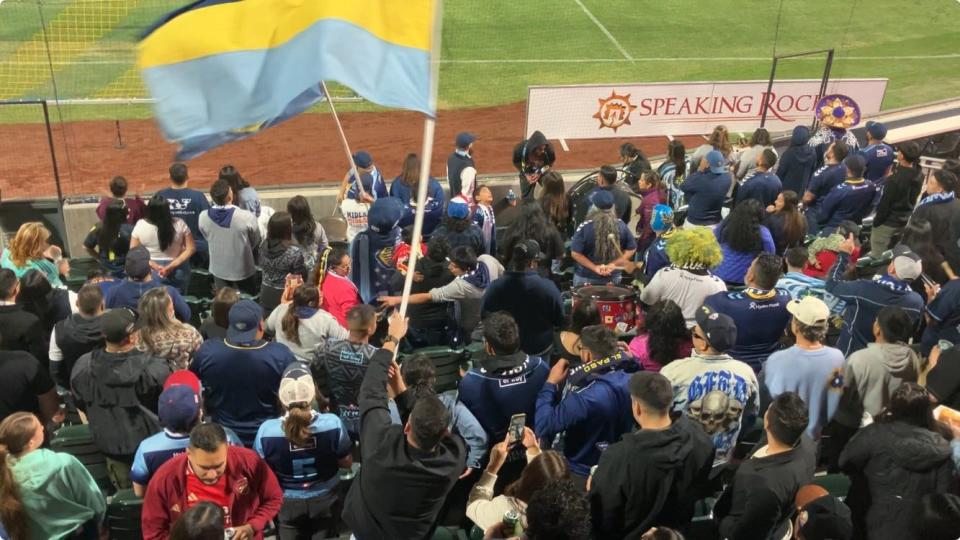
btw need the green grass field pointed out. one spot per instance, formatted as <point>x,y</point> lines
<point>494,49</point>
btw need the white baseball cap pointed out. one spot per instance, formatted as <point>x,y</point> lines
<point>809,310</point>
<point>296,386</point>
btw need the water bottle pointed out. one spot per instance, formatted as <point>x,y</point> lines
<point>511,523</point>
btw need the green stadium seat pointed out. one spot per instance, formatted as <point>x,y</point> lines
<point>123,516</point>
<point>77,441</point>
<point>197,307</point>
<point>447,362</point>
<point>837,484</point>
<point>201,283</point>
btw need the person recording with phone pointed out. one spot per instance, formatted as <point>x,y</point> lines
<point>541,467</point>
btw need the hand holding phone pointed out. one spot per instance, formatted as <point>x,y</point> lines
<point>515,431</point>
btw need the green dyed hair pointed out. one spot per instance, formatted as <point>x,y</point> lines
<point>694,248</point>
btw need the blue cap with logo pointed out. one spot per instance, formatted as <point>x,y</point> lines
<point>363,159</point>
<point>876,130</point>
<point>716,162</point>
<point>602,199</point>
<point>465,139</point>
<point>244,320</point>
<point>178,407</point>
<point>458,209</point>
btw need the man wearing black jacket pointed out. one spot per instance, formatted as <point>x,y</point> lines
<point>900,193</point>
<point>407,470</point>
<point>654,475</point>
<point>760,499</point>
<point>76,335</point>
<point>22,330</point>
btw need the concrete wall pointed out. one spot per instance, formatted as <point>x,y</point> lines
<point>80,218</point>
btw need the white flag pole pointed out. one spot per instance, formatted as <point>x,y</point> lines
<point>429,126</point>
<point>343,140</point>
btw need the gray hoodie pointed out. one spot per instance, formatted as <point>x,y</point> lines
<point>870,378</point>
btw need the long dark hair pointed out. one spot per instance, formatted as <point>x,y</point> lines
<point>910,404</point>
<point>16,431</point>
<point>34,296</point>
<point>741,229</point>
<point>114,218</point>
<point>667,330</point>
<point>531,223</point>
<point>304,226</point>
<point>410,171</point>
<point>158,214</point>
<point>279,228</point>
<point>230,175</point>
<point>420,375</point>
<point>554,200</point>
<point>794,224</point>
<point>549,465</point>
<point>304,296</point>
<point>677,154</point>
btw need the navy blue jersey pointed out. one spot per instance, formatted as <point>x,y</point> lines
<point>240,383</point>
<point>493,397</point>
<point>761,318</point>
<point>584,243</point>
<point>309,470</point>
<point>158,448</point>
<point>186,204</point>
<point>851,200</point>
<point>879,157</point>
<point>763,186</point>
<point>824,180</point>
<point>705,193</point>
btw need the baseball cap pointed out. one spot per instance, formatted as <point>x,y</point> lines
<point>137,264</point>
<point>179,405</point>
<point>363,159</point>
<point>117,324</point>
<point>528,249</point>
<point>465,139</point>
<point>662,218</point>
<point>602,199</point>
<point>183,377</point>
<point>809,310</point>
<point>297,385</point>
<point>906,263</point>
<point>716,161</point>
<point>719,329</point>
<point>876,130</point>
<point>244,321</point>
<point>458,209</point>
<point>855,163</point>
<point>825,518</point>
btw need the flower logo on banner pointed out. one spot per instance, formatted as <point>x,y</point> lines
<point>614,111</point>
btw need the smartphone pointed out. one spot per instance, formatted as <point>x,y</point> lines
<point>294,280</point>
<point>517,423</point>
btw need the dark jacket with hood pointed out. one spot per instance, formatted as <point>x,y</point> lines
<point>372,249</point>
<point>797,162</point>
<point>900,193</point>
<point>75,336</point>
<point>892,465</point>
<point>651,478</point>
<point>527,163</point>
<point>761,496</point>
<point>119,393</point>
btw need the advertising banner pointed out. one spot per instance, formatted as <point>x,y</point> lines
<point>694,108</point>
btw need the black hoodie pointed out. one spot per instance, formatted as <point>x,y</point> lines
<point>651,478</point>
<point>797,162</point>
<point>75,336</point>
<point>525,163</point>
<point>892,465</point>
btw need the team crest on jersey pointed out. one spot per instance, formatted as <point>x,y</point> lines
<point>385,256</point>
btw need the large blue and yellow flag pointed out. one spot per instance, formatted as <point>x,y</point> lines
<point>222,70</point>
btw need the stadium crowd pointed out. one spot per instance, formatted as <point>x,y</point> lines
<point>748,333</point>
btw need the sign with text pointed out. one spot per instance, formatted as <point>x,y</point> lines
<point>643,110</point>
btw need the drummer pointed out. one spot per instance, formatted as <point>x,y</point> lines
<point>603,244</point>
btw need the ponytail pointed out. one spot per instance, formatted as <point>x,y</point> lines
<point>296,427</point>
<point>15,433</point>
<point>306,296</point>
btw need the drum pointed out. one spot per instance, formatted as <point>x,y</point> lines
<point>618,306</point>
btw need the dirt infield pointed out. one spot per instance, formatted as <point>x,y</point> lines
<point>303,150</point>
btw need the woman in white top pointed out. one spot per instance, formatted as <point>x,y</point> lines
<point>542,467</point>
<point>747,166</point>
<point>169,241</point>
<point>301,325</point>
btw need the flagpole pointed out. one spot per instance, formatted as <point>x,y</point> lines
<point>429,127</point>
<point>343,140</point>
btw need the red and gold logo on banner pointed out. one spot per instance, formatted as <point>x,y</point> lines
<point>614,111</point>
